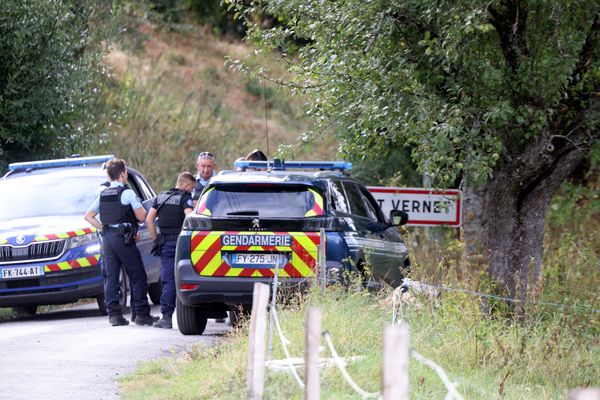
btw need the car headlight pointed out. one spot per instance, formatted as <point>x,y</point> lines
<point>78,241</point>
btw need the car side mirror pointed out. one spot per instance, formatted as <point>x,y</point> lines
<point>398,217</point>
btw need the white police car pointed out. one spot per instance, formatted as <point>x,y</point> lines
<point>48,253</point>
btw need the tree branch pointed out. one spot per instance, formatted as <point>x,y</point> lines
<point>511,25</point>
<point>377,31</point>
<point>587,52</point>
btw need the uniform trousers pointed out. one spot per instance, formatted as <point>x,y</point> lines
<point>167,276</point>
<point>117,255</point>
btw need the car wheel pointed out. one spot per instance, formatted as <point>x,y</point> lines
<point>25,311</point>
<point>101,304</point>
<point>155,291</point>
<point>190,320</point>
<point>123,290</point>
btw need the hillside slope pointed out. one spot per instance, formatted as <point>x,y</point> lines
<point>175,97</point>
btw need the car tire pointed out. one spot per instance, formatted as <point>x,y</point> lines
<point>25,311</point>
<point>190,320</point>
<point>155,291</point>
<point>101,304</point>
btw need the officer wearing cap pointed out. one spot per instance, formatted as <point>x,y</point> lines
<point>120,210</point>
<point>170,207</point>
<point>205,164</point>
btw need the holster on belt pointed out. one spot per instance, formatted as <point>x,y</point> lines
<point>157,245</point>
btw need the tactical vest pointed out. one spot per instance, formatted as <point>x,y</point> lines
<point>112,211</point>
<point>170,211</point>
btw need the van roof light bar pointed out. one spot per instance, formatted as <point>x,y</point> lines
<point>281,165</point>
<point>61,162</point>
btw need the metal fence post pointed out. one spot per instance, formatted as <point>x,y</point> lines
<point>396,351</point>
<point>256,342</point>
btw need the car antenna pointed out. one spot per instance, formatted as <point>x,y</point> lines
<point>266,123</point>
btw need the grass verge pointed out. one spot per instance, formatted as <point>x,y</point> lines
<point>487,358</point>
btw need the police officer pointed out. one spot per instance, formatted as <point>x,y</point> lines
<point>120,210</point>
<point>171,207</point>
<point>205,164</point>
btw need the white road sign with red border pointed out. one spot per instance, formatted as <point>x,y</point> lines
<point>425,207</point>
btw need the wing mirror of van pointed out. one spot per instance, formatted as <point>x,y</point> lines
<point>398,217</point>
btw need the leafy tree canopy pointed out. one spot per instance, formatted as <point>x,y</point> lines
<point>46,77</point>
<point>464,83</point>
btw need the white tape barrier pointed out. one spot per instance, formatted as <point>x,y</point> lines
<point>452,392</point>
<point>284,341</point>
<point>342,367</point>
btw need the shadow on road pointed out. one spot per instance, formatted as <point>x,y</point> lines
<point>52,315</point>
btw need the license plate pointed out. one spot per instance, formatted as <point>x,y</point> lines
<point>257,258</point>
<point>22,272</point>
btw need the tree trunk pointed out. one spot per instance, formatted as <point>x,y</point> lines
<point>515,204</point>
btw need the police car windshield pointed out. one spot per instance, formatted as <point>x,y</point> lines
<point>47,195</point>
<point>264,200</point>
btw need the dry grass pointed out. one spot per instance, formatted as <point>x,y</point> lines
<point>175,97</point>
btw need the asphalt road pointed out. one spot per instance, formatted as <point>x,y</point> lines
<point>76,354</point>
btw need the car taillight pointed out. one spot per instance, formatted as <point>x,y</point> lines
<point>187,286</point>
<point>195,222</point>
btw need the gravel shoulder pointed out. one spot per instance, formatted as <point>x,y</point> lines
<point>76,354</point>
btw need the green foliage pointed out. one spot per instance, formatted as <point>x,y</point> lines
<point>428,74</point>
<point>48,54</point>
<point>394,169</point>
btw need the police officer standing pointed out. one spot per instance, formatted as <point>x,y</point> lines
<point>171,207</point>
<point>120,211</point>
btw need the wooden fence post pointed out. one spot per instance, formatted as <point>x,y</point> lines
<point>256,342</point>
<point>585,394</point>
<point>311,356</point>
<point>396,351</point>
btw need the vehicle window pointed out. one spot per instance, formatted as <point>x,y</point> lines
<point>372,207</point>
<point>261,200</point>
<point>338,198</point>
<point>143,187</point>
<point>133,184</point>
<point>43,195</point>
<point>357,204</point>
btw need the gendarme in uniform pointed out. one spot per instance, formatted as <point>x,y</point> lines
<point>171,214</point>
<point>118,206</point>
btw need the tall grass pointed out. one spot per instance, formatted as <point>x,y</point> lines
<point>488,358</point>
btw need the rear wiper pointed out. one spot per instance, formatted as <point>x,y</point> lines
<point>244,212</point>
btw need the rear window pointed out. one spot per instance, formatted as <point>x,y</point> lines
<point>46,195</point>
<point>261,200</point>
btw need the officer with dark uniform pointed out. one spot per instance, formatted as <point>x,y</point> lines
<point>120,211</point>
<point>170,207</point>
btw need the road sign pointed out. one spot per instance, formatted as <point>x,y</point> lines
<point>425,207</point>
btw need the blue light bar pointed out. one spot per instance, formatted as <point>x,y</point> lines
<point>62,162</point>
<point>280,165</point>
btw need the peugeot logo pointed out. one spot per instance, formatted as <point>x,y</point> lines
<point>256,223</point>
<point>20,239</point>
